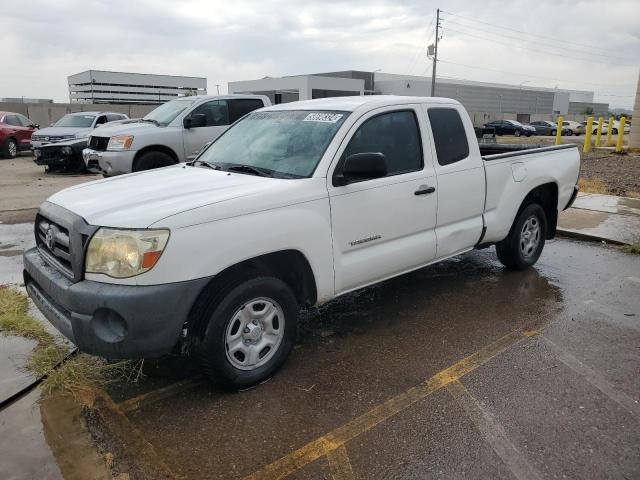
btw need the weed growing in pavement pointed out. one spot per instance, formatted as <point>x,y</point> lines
<point>592,185</point>
<point>633,248</point>
<point>79,375</point>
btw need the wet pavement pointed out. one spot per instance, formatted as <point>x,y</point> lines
<point>603,218</point>
<point>458,370</point>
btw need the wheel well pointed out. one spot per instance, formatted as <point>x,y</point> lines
<point>156,148</point>
<point>290,266</point>
<point>546,195</point>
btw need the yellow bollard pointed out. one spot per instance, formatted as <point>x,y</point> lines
<point>599,134</point>
<point>609,132</point>
<point>620,134</point>
<point>558,130</point>
<point>586,148</point>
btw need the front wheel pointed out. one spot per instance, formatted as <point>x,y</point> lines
<point>554,132</point>
<point>526,239</point>
<point>250,333</point>
<point>518,133</point>
<point>614,131</point>
<point>151,160</point>
<point>10,149</point>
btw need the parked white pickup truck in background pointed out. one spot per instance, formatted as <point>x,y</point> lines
<point>174,132</point>
<point>294,205</point>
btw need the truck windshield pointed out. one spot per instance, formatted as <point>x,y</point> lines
<point>284,143</point>
<point>166,112</point>
<point>80,121</point>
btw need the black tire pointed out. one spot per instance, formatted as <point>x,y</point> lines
<point>10,149</point>
<point>509,250</point>
<point>151,160</point>
<point>212,350</point>
<point>518,133</point>
<point>528,134</point>
<point>570,133</point>
<point>614,131</point>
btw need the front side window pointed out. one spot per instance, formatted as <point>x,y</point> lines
<point>216,113</point>
<point>79,121</point>
<point>287,143</point>
<point>24,120</point>
<point>394,134</point>
<point>449,135</point>
<point>167,112</point>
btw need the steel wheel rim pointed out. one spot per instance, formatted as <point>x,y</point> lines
<point>13,150</point>
<point>254,333</point>
<point>530,236</point>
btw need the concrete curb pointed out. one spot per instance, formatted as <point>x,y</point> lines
<point>565,232</point>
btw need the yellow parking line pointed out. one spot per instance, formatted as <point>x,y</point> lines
<point>134,403</point>
<point>341,435</point>
<point>339,464</point>
<point>493,433</point>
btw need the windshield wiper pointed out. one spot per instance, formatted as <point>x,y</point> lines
<point>249,169</point>
<point>151,120</point>
<point>212,166</point>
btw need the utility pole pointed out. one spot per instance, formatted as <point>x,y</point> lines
<point>435,55</point>
<point>218,88</point>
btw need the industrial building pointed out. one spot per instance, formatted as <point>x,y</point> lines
<point>485,101</point>
<point>97,86</point>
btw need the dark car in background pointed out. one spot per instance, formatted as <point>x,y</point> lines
<point>15,133</point>
<point>510,127</point>
<point>546,127</point>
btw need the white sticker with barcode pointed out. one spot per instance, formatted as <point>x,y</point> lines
<point>323,117</point>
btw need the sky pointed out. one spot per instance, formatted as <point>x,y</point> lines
<point>584,45</point>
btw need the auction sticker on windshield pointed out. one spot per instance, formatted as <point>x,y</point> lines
<point>323,117</point>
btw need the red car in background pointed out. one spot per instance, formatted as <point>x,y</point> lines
<point>15,133</point>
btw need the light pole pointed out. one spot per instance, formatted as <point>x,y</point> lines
<point>218,88</point>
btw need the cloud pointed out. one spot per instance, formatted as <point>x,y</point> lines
<point>226,41</point>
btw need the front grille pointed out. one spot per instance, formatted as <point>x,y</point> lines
<point>51,138</point>
<point>51,153</point>
<point>99,143</point>
<point>54,244</point>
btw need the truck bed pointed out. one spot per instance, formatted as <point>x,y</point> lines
<point>494,151</point>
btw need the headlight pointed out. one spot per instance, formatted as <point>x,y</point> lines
<point>124,253</point>
<point>120,142</point>
<point>66,150</point>
<point>37,153</point>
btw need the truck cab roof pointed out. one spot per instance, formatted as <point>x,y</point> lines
<point>350,104</point>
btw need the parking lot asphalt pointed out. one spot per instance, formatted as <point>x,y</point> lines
<point>459,370</point>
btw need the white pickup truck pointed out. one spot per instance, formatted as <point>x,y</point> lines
<point>294,205</point>
<point>174,132</point>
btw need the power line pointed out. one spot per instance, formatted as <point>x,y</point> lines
<point>421,44</point>
<point>525,33</point>
<point>534,50</point>
<point>537,42</point>
<point>532,76</point>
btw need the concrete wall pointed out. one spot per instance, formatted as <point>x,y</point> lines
<point>45,114</point>
<point>634,138</point>
<point>599,109</point>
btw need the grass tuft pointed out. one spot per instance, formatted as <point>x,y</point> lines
<point>79,376</point>
<point>592,185</point>
<point>633,248</point>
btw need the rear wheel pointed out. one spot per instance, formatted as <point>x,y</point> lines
<point>250,332</point>
<point>526,239</point>
<point>151,160</point>
<point>554,132</point>
<point>10,149</point>
<point>570,132</point>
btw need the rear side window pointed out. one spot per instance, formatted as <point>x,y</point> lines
<point>12,120</point>
<point>396,135</point>
<point>449,135</point>
<point>240,107</point>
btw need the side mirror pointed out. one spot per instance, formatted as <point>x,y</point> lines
<point>195,120</point>
<point>362,166</point>
<point>35,125</point>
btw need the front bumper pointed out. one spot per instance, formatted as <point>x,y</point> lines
<point>113,321</point>
<point>109,163</point>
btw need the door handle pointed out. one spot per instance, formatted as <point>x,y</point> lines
<point>424,190</point>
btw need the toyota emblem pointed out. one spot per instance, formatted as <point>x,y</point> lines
<point>50,238</point>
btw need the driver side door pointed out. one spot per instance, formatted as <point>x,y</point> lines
<point>384,226</point>
<point>216,113</point>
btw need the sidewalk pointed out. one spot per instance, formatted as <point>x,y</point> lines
<point>603,218</point>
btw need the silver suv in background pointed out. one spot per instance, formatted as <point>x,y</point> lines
<point>73,125</point>
<point>174,132</point>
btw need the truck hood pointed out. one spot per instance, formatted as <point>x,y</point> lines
<point>60,131</point>
<point>133,127</point>
<point>139,200</point>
